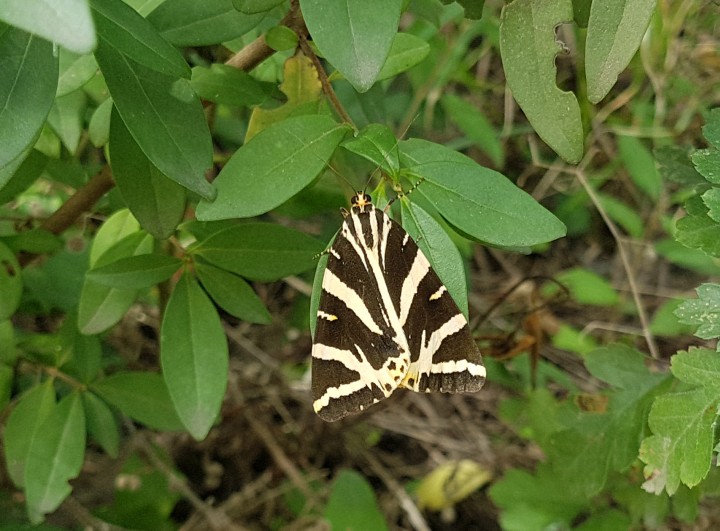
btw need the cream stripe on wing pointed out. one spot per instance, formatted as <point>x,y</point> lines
<point>419,269</point>
<point>336,287</point>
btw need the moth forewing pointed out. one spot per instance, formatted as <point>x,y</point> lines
<point>385,320</point>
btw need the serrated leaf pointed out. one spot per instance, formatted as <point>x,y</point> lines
<point>707,163</point>
<point>142,396</point>
<point>711,198</point>
<point>303,90</point>
<point>674,164</point>
<point>376,143</point>
<point>479,201</point>
<point>28,79</point>
<point>704,312</point>
<point>66,22</point>
<point>439,249</point>
<point>101,424</point>
<point>232,294</point>
<point>10,282</point>
<point>473,123</point>
<point>260,251</point>
<point>615,29</point>
<point>274,166</point>
<point>191,23</point>
<point>157,202</point>
<point>697,229</point>
<point>228,85</point>
<point>136,272</point>
<point>683,424</point>
<point>54,457</point>
<point>194,356</point>
<point>351,501</point>
<point>355,36</point>
<point>24,421</point>
<point>531,73</point>
<point>640,165</point>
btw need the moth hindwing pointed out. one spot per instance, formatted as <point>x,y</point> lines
<point>385,320</point>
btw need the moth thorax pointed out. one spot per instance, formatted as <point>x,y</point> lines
<point>361,202</point>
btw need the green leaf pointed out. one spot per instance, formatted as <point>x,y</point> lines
<point>711,198</point>
<point>473,123</point>
<point>281,38</point>
<point>260,251</point>
<point>473,8</point>
<point>697,229</point>
<point>568,338</point>
<point>7,378</point>
<point>587,287</point>
<point>8,351</point>
<point>439,249</point>
<point>640,165</point>
<point>352,504</point>
<point>232,294</point>
<point>683,422</point>
<point>531,72</point>
<point>119,225</point>
<point>228,85</point>
<point>250,7</point>
<point>406,51</point>
<point>535,501</point>
<point>191,23</point>
<point>25,420</point>
<point>693,259</point>
<point>479,201</point>
<point>142,396</point>
<point>54,457</point>
<point>75,71</point>
<point>18,181</point>
<point>67,118</point>
<point>101,424</point>
<point>10,282</point>
<point>136,272</point>
<point>707,163</point>
<point>623,215</point>
<point>704,312</point>
<point>674,165</point>
<point>28,79</point>
<point>355,36</point>
<point>666,323</point>
<point>101,306</point>
<point>274,166</point>
<point>157,202</point>
<point>615,29</point>
<point>66,22</point>
<point>83,353</point>
<point>317,289</point>
<point>129,35</point>
<point>377,143</point>
<point>163,114</point>
<point>194,357</point>
<point>99,126</point>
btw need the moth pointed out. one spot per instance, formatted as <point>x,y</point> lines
<point>385,320</point>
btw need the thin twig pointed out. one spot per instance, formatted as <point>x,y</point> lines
<point>645,323</point>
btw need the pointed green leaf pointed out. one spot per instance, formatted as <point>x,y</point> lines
<point>101,424</point>
<point>26,419</point>
<point>75,71</point>
<point>142,396</point>
<point>193,23</point>
<point>130,35</point>
<point>406,51</point>
<point>378,144</point>
<point>479,201</point>
<point>614,32</point>
<point>232,294</point>
<point>228,85</point>
<point>164,116</point>
<point>439,249</point>
<point>157,202</point>
<point>640,165</point>
<point>55,456</point>
<point>194,356</point>
<point>317,289</point>
<point>352,501</point>
<point>274,166</point>
<point>255,6</point>
<point>473,123</point>
<point>66,22</point>
<point>28,79</point>
<point>115,228</point>
<point>99,127</point>
<point>260,251</point>
<point>136,272</point>
<point>530,71</point>
<point>67,118</point>
<point>354,35</point>
<point>19,180</point>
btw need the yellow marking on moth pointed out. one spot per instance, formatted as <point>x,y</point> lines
<point>435,296</point>
<point>327,316</point>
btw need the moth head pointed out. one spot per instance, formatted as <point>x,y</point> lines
<point>361,202</point>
